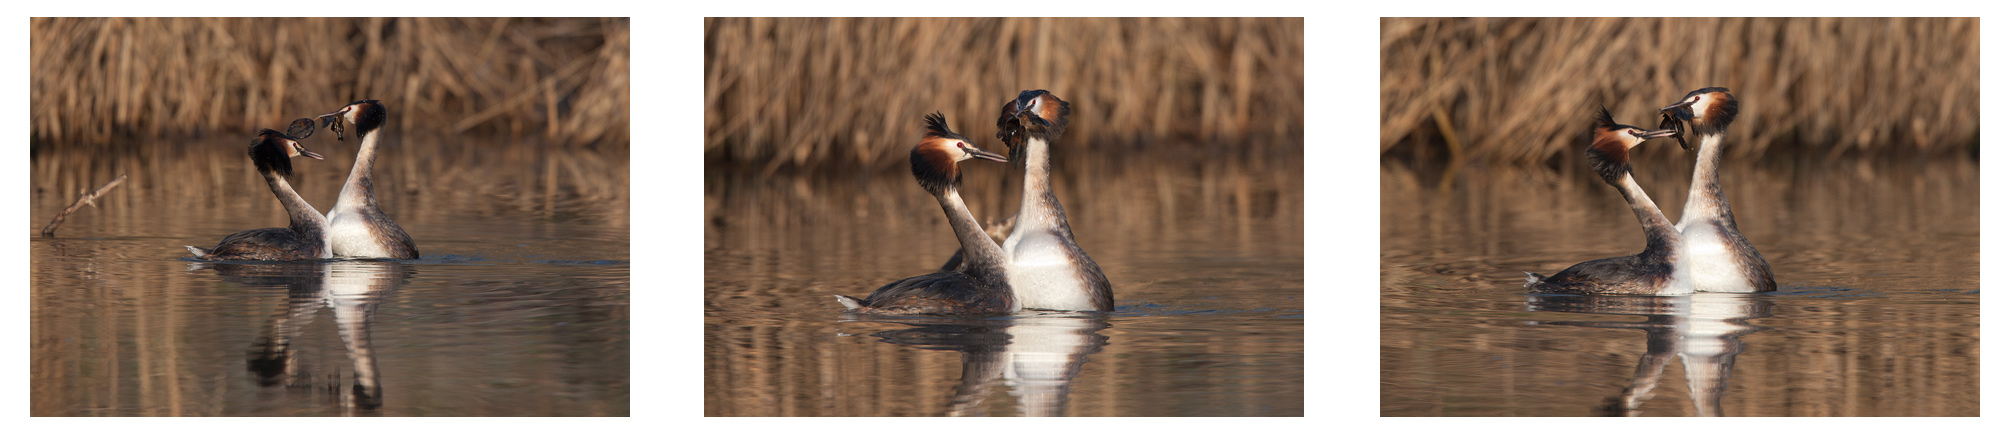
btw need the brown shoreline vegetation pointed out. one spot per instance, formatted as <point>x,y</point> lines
<point>96,82</point>
<point>1520,91</point>
<point>818,92</point>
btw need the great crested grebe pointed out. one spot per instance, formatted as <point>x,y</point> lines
<point>1049,272</point>
<point>1714,254</point>
<point>306,234</point>
<point>979,286</point>
<point>1652,272</point>
<point>356,226</point>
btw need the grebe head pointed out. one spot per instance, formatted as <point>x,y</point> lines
<point>1034,114</point>
<point>366,114</point>
<point>271,152</point>
<point>934,160</point>
<point>1710,110</point>
<point>1610,142</point>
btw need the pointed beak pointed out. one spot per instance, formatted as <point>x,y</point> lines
<point>1680,110</point>
<point>1658,133</point>
<point>1023,114</point>
<point>985,154</point>
<point>305,152</point>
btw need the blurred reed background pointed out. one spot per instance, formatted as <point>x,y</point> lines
<point>1522,90</point>
<point>98,80</point>
<point>488,115</point>
<point>811,92</point>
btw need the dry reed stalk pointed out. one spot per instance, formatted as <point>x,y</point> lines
<point>1835,86</point>
<point>804,92</point>
<point>98,80</point>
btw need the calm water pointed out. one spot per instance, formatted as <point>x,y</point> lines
<point>1878,311</point>
<point>517,306</point>
<point>1206,257</point>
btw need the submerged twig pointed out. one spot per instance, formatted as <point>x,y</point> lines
<point>50,231</point>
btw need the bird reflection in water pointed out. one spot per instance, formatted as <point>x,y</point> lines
<point>1704,329</point>
<point>351,289</point>
<point>1036,355</point>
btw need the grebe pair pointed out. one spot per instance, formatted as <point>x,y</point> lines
<point>355,227</point>
<point>1704,251</point>
<point>1038,266</point>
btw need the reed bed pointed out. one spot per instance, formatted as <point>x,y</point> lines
<point>1522,90</point>
<point>98,81</point>
<point>803,92</point>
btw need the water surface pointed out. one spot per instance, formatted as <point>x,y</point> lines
<point>1205,255</point>
<point>518,304</point>
<point>1878,311</point>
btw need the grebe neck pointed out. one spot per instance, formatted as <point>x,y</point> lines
<point>981,257</point>
<point>1661,236</point>
<point>301,217</point>
<point>1706,195</point>
<point>1038,208</point>
<point>359,190</point>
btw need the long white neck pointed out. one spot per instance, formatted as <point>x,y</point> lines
<point>979,253</point>
<point>1038,208</point>
<point>1651,220</point>
<point>301,217</point>
<point>359,190</point>
<point>1706,196</point>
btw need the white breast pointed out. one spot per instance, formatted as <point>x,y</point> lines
<point>1042,274</point>
<point>349,235</point>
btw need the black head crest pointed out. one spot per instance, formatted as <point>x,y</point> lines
<point>939,126</point>
<point>268,152</point>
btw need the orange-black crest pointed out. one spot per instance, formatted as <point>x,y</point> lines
<point>1608,152</point>
<point>939,127</point>
<point>932,162</point>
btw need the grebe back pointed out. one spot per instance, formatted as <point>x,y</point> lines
<point>979,286</point>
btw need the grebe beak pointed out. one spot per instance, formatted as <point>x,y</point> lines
<point>1023,114</point>
<point>1658,133</point>
<point>985,154</point>
<point>1681,110</point>
<point>307,153</point>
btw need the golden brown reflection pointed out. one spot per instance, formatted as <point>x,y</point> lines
<point>1877,315</point>
<point>1174,234</point>
<point>121,327</point>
